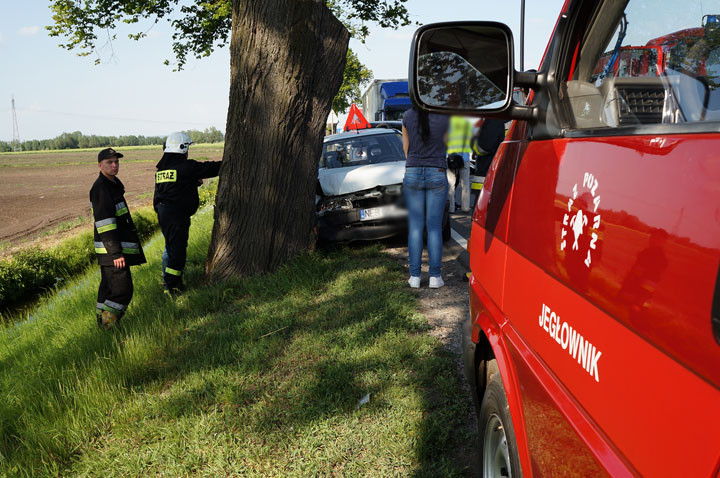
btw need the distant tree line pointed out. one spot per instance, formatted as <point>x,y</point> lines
<point>77,140</point>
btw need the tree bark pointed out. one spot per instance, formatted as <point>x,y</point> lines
<point>287,59</point>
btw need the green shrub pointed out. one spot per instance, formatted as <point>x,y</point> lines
<point>32,271</point>
<point>146,222</point>
<point>207,192</point>
<point>10,276</point>
<point>74,254</point>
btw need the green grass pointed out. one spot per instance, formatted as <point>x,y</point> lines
<point>65,226</point>
<point>259,377</point>
<point>31,271</point>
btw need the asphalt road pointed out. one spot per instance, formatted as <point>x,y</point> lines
<point>461,224</point>
<point>460,237</point>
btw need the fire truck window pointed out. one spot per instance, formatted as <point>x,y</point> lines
<point>651,62</point>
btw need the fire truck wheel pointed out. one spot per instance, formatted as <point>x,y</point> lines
<point>497,437</point>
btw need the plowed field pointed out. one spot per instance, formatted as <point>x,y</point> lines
<point>39,191</point>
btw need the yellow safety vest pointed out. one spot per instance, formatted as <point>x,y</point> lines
<point>459,135</point>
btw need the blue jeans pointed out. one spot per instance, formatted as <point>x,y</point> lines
<point>425,191</point>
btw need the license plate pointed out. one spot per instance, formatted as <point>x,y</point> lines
<point>372,213</point>
<point>380,212</point>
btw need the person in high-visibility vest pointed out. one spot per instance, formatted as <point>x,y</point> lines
<point>459,137</point>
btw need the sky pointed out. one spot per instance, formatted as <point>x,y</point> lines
<point>133,92</point>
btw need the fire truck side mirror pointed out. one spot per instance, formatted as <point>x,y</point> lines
<point>464,68</point>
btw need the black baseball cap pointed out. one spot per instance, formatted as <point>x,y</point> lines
<point>108,153</point>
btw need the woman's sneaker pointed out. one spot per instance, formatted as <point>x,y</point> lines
<point>414,282</point>
<point>436,282</point>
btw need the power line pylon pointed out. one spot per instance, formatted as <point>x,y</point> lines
<point>16,130</point>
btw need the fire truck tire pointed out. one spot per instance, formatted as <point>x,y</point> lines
<point>498,447</point>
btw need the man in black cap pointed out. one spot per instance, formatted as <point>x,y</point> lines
<point>117,244</point>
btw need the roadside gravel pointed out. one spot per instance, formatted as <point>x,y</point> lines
<point>446,309</point>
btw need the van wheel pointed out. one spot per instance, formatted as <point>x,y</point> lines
<point>497,438</point>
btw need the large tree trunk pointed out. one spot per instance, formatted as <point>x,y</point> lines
<point>287,59</point>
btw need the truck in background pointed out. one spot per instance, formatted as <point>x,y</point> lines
<point>386,100</point>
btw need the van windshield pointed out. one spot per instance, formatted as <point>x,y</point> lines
<point>361,150</point>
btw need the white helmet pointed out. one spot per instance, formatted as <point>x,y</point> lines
<point>178,143</point>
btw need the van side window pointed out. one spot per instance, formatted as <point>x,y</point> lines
<point>652,62</point>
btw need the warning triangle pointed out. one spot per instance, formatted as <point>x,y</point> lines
<point>355,119</point>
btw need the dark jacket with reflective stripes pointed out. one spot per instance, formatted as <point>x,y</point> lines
<point>177,180</point>
<point>115,233</point>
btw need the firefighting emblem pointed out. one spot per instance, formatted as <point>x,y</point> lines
<point>577,222</point>
<point>576,219</point>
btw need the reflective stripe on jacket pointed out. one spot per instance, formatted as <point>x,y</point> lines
<point>115,234</point>
<point>177,180</point>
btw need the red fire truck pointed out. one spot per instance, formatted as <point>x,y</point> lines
<point>632,61</point>
<point>593,341</point>
<point>652,59</point>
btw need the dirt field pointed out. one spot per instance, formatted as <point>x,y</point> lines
<point>39,192</point>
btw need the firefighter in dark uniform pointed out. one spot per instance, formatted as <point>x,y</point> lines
<point>116,240</point>
<point>485,142</point>
<point>176,199</point>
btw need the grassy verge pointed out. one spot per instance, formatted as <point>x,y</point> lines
<point>261,377</point>
<point>65,226</point>
<point>30,272</point>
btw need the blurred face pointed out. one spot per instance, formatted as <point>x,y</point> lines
<point>109,167</point>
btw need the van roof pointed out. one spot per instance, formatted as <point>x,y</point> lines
<point>360,132</point>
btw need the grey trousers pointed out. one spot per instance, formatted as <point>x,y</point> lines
<point>464,193</point>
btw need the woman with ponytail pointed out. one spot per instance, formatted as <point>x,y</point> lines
<point>425,189</point>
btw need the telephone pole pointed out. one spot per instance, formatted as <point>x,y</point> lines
<point>522,35</point>
<point>16,130</point>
